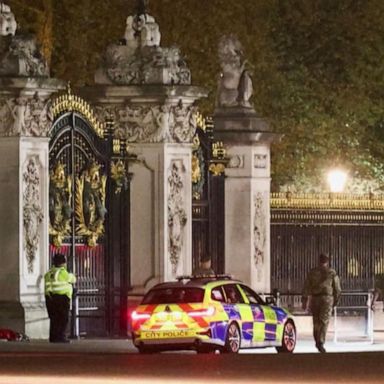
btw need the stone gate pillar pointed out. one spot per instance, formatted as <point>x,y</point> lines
<point>146,91</point>
<point>247,183</point>
<point>25,89</point>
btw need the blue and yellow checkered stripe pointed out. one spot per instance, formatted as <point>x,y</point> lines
<point>259,323</point>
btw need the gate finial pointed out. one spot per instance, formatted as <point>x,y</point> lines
<point>69,90</point>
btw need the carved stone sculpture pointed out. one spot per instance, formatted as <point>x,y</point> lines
<point>8,23</point>
<point>177,216</point>
<point>152,124</point>
<point>24,116</point>
<point>32,210</point>
<point>235,83</point>
<point>259,232</point>
<point>139,59</point>
<point>20,55</point>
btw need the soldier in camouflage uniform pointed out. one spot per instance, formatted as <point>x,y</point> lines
<point>320,294</point>
<point>378,291</point>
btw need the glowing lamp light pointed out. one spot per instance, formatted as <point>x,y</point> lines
<point>337,179</point>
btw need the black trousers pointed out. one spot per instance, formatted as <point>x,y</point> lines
<point>58,313</point>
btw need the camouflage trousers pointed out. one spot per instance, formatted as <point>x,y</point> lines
<point>321,308</point>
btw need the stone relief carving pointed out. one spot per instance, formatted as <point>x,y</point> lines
<point>32,210</point>
<point>152,124</point>
<point>177,215</point>
<point>236,161</point>
<point>235,84</point>
<point>259,232</point>
<point>139,59</point>
<point>24,116</point>
<point>260,161</point>
<point>184,123</point>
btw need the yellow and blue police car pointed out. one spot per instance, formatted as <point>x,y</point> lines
<point>209,313</point>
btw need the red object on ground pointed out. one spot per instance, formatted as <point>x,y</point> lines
<point>10,335</point>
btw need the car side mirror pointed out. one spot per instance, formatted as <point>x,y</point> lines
<point>270,300</point>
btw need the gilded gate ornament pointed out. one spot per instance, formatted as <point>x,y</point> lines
<point>69,102</point>
<point>219,159</point>
<point>90,208</point>
<point>119,176</point>
<point>60,210</point>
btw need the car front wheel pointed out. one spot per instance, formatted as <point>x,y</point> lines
<point>289,338</point>
<point>233,339</point>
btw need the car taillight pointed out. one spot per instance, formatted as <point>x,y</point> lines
<point>210,311</point>
<point>139,316</point>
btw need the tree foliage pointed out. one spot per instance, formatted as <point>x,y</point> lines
<point>318,68</point>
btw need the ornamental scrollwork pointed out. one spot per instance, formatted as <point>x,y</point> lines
<point>177,215</point>
<point>259,232</point>
<point>217,169</point>
<point>60,210</point>
<point>90,208</point>
<point>32,211</point>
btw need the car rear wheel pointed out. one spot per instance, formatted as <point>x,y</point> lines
<point>289,338</point>
<point>233,339</point>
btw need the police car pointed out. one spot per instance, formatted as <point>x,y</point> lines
<point>207,314</point>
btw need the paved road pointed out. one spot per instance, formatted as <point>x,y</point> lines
<point>101,361</point>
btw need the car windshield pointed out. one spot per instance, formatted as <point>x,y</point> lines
<point>174,295</point>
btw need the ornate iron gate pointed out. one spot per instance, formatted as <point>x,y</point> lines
<point>208,164</point>
<point>349,228</point>
<point>89,214</point>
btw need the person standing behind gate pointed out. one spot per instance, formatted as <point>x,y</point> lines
<point>321,293</point>
<point>58,294</point>
<point>378,290</point>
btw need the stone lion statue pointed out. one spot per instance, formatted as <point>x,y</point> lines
<point>235,83</point>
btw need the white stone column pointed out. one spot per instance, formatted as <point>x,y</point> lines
<point>24,186</point>
<point>161,220</point>
<point>158,122</point>
<point>247,188</point>
<point>247,219</point>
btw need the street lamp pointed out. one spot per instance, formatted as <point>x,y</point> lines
<point>337,179</point>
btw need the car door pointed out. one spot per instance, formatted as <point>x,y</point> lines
<point>264,317</point>
<point>238,310</point>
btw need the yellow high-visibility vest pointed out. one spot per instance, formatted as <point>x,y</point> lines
<point>58,281</point>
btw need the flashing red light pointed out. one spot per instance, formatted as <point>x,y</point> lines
<point>140,316</point>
